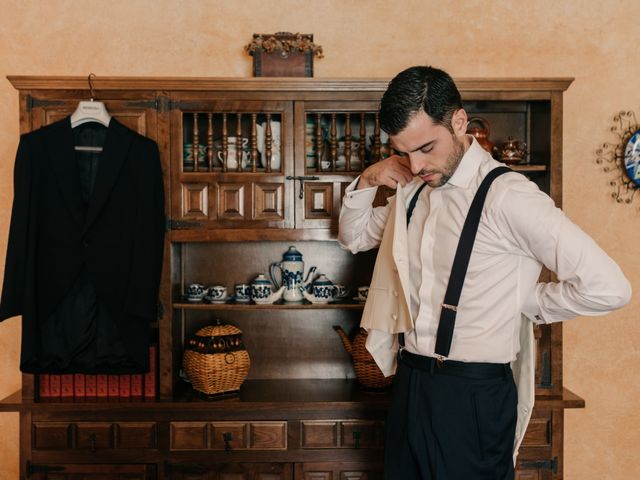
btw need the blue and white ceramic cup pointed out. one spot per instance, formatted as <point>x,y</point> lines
<point>217,292</point>
<point>242,292</point>
<point>195,292</point>
<point>339,290</point>
<point>363,292</point>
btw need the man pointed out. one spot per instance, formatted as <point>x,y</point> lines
<point>453,408</point>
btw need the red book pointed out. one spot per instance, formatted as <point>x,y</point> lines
<point>90,385</point>
<point>79,389</point>
<point>54,385</point>
<point>102,386</point>
<point>44,387</point>
<point>66,385</point>
<point>125,386</point>
<point>113,383</point>
<point>150,376</point>
<point>136,385</point>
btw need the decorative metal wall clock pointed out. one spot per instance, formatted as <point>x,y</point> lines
<point>622,157</point>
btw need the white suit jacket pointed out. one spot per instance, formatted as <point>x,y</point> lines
<point>387,314</point>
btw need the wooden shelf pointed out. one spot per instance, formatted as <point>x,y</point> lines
<point>305,305</point>
<point>312,393</point>
<point>529,168</point>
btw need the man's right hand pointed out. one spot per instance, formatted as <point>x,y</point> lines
<point>390,172</point>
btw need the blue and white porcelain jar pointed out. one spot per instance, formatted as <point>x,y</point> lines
<point>261,289</point>
<point>323,289</point>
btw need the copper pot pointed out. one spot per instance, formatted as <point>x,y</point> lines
<point>479,128</point>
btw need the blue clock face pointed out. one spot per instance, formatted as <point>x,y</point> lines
<point>632,158</point>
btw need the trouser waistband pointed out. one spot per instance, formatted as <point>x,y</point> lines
<point>476,370</point>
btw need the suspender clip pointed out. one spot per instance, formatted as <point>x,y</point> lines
<point>440,360</point>
<point>450,307</point>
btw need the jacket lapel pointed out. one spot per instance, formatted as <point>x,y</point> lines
<point>400,247</point>
<point>114,154</point>
<point>59,145</point>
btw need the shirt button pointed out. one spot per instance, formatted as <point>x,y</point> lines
<point>394,316</point>
<point>395,293</point>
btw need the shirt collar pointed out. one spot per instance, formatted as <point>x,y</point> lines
<point>469,165</point>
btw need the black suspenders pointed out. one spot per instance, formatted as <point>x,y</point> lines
<point>460,262</point>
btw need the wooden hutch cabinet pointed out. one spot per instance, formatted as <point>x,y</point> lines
<point>231,212</point>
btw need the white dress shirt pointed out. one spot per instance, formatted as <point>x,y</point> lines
<point>520,230</point>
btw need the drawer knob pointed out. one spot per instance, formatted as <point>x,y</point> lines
<point>227,437</point>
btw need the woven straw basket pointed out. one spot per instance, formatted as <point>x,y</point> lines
<point>215,360</point>
<point>367,371</point>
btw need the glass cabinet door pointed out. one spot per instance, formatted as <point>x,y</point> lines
<point>229,161</point>
<point>335,142</point>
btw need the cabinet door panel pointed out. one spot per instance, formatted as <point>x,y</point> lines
<point>234,471</point>
<point>339,471</point>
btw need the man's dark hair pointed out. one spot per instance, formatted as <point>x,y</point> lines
<point>419,88</point>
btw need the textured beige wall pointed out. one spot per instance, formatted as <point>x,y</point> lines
<point>593,41</point>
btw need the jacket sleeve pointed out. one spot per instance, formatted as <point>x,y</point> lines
<point>144,283</point>
<point>361,225</point>
<point>15,270</point>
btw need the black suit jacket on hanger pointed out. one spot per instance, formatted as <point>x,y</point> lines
<point>116,240</point>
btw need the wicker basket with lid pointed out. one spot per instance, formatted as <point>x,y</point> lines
<point>215,359</point>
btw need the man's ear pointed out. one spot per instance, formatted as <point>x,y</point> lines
<point>459,122</point>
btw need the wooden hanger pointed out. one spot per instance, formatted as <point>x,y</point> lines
<point>90,111</point>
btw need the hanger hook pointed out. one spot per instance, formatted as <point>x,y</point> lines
<point>90,81</point>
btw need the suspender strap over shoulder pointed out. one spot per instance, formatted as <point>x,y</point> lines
<point>461,263</point>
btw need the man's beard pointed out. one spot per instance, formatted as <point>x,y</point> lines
<point>450,166</point>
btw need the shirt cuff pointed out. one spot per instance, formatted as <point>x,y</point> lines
<point>359,198</point>
<point>531,307</point>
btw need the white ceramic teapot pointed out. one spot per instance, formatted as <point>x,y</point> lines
<point>292,273</point>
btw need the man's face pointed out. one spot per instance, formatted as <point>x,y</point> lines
<point>433,151</point>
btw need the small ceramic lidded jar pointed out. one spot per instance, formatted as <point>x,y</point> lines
<point>323,288</point>
<point>261,289</point>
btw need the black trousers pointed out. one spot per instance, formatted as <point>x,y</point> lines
<point>455,422</point>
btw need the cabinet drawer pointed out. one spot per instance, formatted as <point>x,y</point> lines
<point>340,433</point>
<point>538,432</point>
<point>268,435</point>
<point>136,435</point>
<point>229,435</point>
<point>319,434</point>
<point>51,435</point>
<point>358,434</point>
<point>189,436</point>
<point>94,436</point>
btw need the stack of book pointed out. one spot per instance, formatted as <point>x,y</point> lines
<point>85,387</point>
